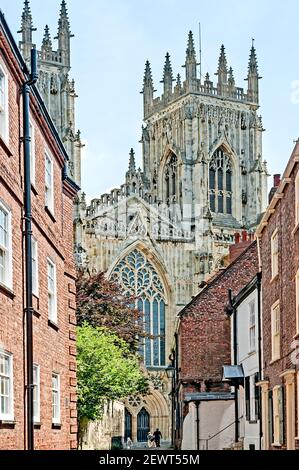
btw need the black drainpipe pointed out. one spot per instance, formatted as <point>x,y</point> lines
<point>28,248</point>
<point>259,316</point>
<point>197,403</point>
<point>235,354</point>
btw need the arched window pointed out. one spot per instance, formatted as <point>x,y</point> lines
<point>138,277</point>
<point>220,183</point>
<point>170,177</point>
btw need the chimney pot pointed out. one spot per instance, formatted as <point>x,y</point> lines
<point>244,236</point>
<point>237,238</point>
<point>276,180</point>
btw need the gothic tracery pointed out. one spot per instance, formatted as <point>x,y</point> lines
<point>138,277</point>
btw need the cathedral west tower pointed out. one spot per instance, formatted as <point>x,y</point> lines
<point>167,227</point>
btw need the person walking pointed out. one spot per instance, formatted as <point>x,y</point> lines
<point>157,436</point>
<point>150,440</point>
<point>129,443</point>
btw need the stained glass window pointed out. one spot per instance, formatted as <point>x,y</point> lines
<point>139,279</point>
<point>220,184</point>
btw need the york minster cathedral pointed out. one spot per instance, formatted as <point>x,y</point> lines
<point>170,223</point>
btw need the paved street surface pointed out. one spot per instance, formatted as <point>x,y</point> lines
<point>143,446</point>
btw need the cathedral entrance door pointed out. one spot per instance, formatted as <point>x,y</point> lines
<point>128,424</point>
<point>143,425</point>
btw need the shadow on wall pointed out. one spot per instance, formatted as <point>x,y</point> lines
<point>214,417</point>
<point>107,433</point>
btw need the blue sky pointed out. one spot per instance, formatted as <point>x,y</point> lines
<point>114,38</point>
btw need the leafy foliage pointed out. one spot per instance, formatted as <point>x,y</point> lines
<point>100,302</point>
<point>107,370</point>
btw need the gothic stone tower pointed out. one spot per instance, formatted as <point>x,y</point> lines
<point>168,226</point>
<point>57,90</point>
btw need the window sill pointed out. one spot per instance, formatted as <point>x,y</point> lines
<point>7,424</point>
<point>251,353</point>
<point>56,425</point>
<point>276,444</point>
<point>5,147</point>
<point>274,278</point>
<point>295,229</point>
<point>36,313</point>
<point>37,425</point>
<point>274,361</point>
<point>33,189</point>
<point>50,214</point>
<point>7,291</point>
<point>53,325</point>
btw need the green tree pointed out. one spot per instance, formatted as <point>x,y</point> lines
<point>107,370</point>
<point>100,302</point>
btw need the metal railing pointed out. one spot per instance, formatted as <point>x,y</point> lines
<point>220,432</point>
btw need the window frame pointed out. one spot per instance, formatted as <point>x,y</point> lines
<point>221,192</point>
<point>36,413</point>
<point>35,278</point>
<point>7,280</point>
<point>56,420</point>
<point>52,316</point>
<point>49,200</point>
<point>275,332</point>
<point>252,326</point>
<point>5,134</point>
<point>10,415</point>
<point>252,398</point>
<point>278,415</point>
<point>275,254</point>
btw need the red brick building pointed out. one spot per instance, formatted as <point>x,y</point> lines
<point>52,194</point>
<point>278,237</point>
<point>203,347</point>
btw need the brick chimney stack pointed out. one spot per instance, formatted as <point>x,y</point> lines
<point>276,183</point>
<point>242,241</point>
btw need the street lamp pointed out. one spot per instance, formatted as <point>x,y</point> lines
<point>170,372</point>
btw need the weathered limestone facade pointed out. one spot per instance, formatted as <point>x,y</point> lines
<point>55,86</point>
<point>168,226</point>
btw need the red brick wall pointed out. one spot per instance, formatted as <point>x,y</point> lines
<point>282,288</point>
<point>54,349</point>
<point>204,331</point>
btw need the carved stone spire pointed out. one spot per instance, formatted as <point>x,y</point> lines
<point>63,23</point>
<point>64,34</point>
<point>253,76</point>
<point>231,82</point>
<point>148,89</point>
<point>222,66</point>
<point>167,78</point>
<point>253,66</point>
<point>26,30</point>
<point>222,72</point>
<point>47,43</point>
<point>132,163</point>
<point>191,64</point>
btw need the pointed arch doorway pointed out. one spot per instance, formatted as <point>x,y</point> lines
<point>128,424</point>
<point>143,425</point>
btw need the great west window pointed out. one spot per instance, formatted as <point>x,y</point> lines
<point>138,278</point>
